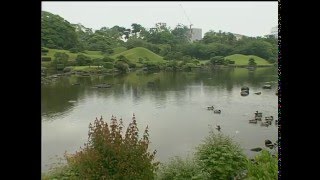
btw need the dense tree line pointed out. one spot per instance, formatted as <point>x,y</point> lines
<point>172,44</point>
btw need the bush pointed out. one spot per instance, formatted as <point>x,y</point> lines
<point>252,62</point>
<point>231,62</point>
<point>60,60</point>
<point>132,65</point>
<point>188,66</point>
<point>110,155</point>
<point>45,58</point>
<point>122,66</point>
<point>44,50</point>
<point>107,59</point>
<point>179,168</point>
<point>71,63</point>
<point>74,50</point>
<point>67,69</point>
<point>265,166</point>
<point>108,65</point>
<point>60,67</point>
<point>220,157</point>
<point>83,60</point>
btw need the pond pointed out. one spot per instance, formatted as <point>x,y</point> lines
<point>173,105</point>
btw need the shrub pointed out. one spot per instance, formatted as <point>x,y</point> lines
<point>265,166</point>
<point>140,60</point>
<point>83,60</point>
<point>122,66</point>
<point>71,63</point>
<point>74,50</point>
<point>179,168</point>
<point>252,62</point>
<point>60,67</point>
<point>45,58</point>
<point>108,65</point>
<point>110,155</point>
<point>231,62</point>
<point>67,69</point>
<point>107,59</point>
<point>188,66</point>
<point>220,157</point>
<point>44,50</point>
<point>132,65</point>
<point>60,60</point>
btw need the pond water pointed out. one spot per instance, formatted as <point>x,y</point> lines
<point>173,105</point>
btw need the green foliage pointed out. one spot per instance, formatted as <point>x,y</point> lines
<point>152,66</point>
<point>252,62</point>
<point>258,47</point>
<point>43,50</point>
<point>67,69</point>
<point>241,59</point>
<point>122,66</point>
<point>181,169</point>
<point>60,60</point>
<point>107,59</point>
<point>218,60</point>
<point>220,157</point>
<point>71,63</point>
<point>265,166</point>
<point>60,67</point>
<point>83,60</point>
<point>74,50</point>
<point>188,66</point>
<point>57,32</point>
<point>219,37</point>
<point>108,65</point>
<point>111,155</point>
<point>134,54</point>
<point>45,58</point>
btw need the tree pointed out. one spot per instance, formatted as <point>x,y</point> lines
<point>83,60</point>
<point>217,60</point>
<point>57,32</point>
<point>252,62</point>
<point>136,28</point>
<point>60,60</point>
<point>122,66</point>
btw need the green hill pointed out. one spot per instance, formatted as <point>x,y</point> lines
<point>241,59</point>
<point>118,50</point>
<point>139,52</point>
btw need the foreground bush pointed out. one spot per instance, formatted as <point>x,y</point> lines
<point>264,166</point>
<point>110,155</point>
<point>180,169</point>
<point>220,157</point>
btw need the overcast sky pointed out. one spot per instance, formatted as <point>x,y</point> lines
<point>247,18</point>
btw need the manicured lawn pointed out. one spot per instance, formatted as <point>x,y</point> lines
<point>134,54</point>
<point>241,59</point>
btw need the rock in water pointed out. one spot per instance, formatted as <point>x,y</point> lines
<point>256,149</point>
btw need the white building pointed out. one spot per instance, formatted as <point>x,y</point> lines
<point>274,31</point>
<point>196,34</point>
<point>238,36</point>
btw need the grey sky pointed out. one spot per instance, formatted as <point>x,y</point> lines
<point>247,18</point>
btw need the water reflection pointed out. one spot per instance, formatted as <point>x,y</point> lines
<point>172,104</point>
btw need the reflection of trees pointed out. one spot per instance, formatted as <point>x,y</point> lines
<point>55,97</point>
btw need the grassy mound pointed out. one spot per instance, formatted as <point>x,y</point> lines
<point>241,59</point>
<point>139,52</point>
